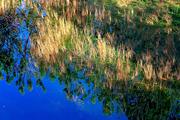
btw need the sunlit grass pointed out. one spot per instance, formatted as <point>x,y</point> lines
<point>59,35</point>
<point>6,5</point>
<point>133,42</point>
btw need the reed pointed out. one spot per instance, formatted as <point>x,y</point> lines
<point>7,5</point>
<point>62,32</point>
<point>131,43</point>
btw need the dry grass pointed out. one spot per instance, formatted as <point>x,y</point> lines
<point>66,37</point>
<point>60,39</point>
<point>51,39</point>
<point>6,5</point>
<point>58,35</point>
<point>124,3</point>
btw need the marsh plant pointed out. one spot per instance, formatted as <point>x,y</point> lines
<point>125,51</point>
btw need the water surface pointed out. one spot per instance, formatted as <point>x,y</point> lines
<point>49,105</point>
<point>20,96</point>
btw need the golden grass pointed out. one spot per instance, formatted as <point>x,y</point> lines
<point>57,34</point>
<point>60,42</point>
<point>124,3</point>
<point>6,5</point>
<point>60,39</point>
<point>52,38</point>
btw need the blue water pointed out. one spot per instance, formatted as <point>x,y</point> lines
<point>49,105</point>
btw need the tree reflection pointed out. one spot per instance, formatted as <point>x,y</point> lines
<point>17,64</point>
<point>132,98</point>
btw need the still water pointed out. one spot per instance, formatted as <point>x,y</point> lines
<point>49,105</point>
<point>20,96</point>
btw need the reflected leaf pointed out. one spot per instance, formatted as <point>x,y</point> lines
<point>93,99</point>
<point>106,109</point>
<point>40,84</point>
<point>30,86</point>
<point>42,69</point>
<point>65,90</point>
<point>9,79</point>
<point>23,63</point>
<point>1,76</point>
<point>43,87</point>
<point>18,82</point>
<point>68,93</point>
<point>84,96</point>
<point>21,89</point>
<point>108,106</point>
<point>60,80</point>
<point>100,98</point>
<point>52,76</point>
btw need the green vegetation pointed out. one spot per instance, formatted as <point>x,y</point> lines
<point>128,51</point>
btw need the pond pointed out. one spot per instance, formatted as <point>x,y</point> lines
<point>73,87</point>
<point>27,95</point>
<point>49,105</point>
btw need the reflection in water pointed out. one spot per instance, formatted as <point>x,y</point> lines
<point>51,105</point>
<point>18,68</point>
<point>19,65</point>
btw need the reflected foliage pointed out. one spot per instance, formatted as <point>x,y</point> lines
<point>16,62</point>
<point>138,98</point>
<point>135,99</point>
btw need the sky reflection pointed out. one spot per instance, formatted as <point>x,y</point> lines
<point>51,104</point>
<point>36,104</point>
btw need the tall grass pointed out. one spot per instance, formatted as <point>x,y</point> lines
<point>62,31</point>
<point>6,5</point>
<point>120,44</point>
<point>127,44</point>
